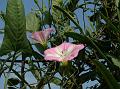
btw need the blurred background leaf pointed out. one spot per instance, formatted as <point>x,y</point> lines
<point>33,23</point>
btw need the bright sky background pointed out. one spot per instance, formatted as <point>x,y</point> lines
<point>28,4</point>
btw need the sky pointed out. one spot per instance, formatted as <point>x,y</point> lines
<point>28,5</point>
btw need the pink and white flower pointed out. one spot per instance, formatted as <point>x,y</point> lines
<point>63,52</point>
<point>42,36</point>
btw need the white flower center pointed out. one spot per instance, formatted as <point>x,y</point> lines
<point>64,53</point>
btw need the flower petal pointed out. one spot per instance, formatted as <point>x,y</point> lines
<point>64,46</point>
<point>47,32</point>
<point>74,52</point>
<point>51,54</point>
<point>42,36</point>
<point>63,52</point>
<point>38,36</point>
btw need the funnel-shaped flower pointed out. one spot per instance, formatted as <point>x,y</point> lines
<point>42,36</point>
<point>63,52</point>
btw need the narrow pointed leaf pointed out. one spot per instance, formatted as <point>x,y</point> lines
<point>110,80</point>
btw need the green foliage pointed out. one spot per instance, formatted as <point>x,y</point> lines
<point>116,61</point>
<point>15,29</point>
<point>47,18</point>
<point>69,16</point>
<point>110,24</point>
<point>71,5</point>
<point>20,77</point>
<point>87,76</point>
<point>35,71</point>
<point>117,2</point>
<point>32,22</point>
<point>79,37</point>
<point>56,81</point>
<point>100,36</point>
<point>110,80</point>
<point>13,81</point>
<point>41,84</point>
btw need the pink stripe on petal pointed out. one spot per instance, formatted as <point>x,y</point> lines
<point>42,36</point>
<point>64,46</point>
<point>51,54</point>
<point>38,36</point>
<point>50,51</point>
<point>35,36</point>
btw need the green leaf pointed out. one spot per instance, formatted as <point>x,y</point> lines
<point>69,16</point>
<point>48,18</point>
<point>56,81</point>
<point>6,46</point>
<point>57,2</point>
<point>13,81</point>
<point>41,48</point>
<point>32,22</point>
<point>15,29</point>
<point>92,28</point>
<point>115,60</point>
<point>110,80</point>
<point>117,2</point>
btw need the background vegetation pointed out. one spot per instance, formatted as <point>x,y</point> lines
<point>99,32</point>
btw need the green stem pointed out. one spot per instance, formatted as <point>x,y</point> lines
<point>22,70</point>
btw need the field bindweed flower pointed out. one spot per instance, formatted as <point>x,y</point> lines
<point>42,36</point>
<point>63,52</point>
